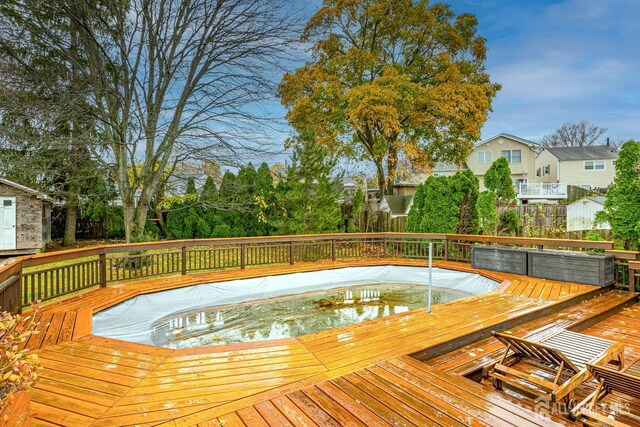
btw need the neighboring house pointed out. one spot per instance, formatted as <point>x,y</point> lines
<point>581,214</point>
<point>447,169</point>
<point>25,219</point>
<point>397,206</point>
<point>591,166</point>
<point>519,152</point>
<point>409,187</point>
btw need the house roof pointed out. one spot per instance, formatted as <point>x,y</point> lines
<point>21,187</point>
<point>398,205</point>
<point>596,199</point>
<point>513,137</point>
<point>444,167</point>
<point>590,152</point>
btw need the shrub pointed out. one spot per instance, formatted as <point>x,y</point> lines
<point>622,203</point>
<point>18,368</point>
<point>487,213</point>
<point>509,223</point>
<point>498,180</point>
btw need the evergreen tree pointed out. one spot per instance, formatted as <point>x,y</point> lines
<point>498,180</point>
<point>487,213</point>
<point>309,193</point>
<point>353,219</point>
<point>622,203</point>
<point>415,213</point>
<point>440,209</point>
<point>191,187</point>
<point>465,187</point>
<point>209,193</point>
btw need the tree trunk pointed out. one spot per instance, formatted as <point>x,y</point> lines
<point>381,179</point>
<point>128,215</point>
<point>392,169</point>
<point>161,223</point>
<point>70,221</point>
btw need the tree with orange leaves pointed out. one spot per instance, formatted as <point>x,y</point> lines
<point>391,79</point>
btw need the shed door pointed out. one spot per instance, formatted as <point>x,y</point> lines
<point>7,223</point>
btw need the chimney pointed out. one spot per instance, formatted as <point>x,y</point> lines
<point>607,141</point>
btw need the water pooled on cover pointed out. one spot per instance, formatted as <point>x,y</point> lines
<point>292,316</point>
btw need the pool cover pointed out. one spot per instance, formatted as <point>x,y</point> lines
<point>133,319</point>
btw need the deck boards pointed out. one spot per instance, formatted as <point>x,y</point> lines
<point>281,382</point>
<point>400,391</point>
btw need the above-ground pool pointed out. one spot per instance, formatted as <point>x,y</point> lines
<point>279,306</point>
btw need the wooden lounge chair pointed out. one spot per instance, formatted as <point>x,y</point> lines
<point>563,356</point>
<point>609,380</point>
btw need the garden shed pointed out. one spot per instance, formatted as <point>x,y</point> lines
<point>581,214</point>
<point>25,219</point>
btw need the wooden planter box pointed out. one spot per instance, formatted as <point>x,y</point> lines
<point>577,267</point>
<point>500,258</point>
<point>17,411</point>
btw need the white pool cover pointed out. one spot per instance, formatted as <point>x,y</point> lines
<point>133,319</point>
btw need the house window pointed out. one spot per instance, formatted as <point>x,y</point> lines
<point>613,162</point>
<point>591,165</point>
<point>512,156</point>
<point>7,203</point>
<point>547,170</point>
<point>538,172</point>
<point>484,156</point>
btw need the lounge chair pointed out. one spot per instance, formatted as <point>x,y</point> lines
<point>563,356</point>
<point>609,380</point>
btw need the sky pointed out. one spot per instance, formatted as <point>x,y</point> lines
<point>561,61</point>
<point>557,62</point>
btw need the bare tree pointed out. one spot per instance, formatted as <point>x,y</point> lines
<point>578,134</point>
<point>169,80</point>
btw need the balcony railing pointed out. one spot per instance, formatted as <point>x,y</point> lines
<point>542,191</point>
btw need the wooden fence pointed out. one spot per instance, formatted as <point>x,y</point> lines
<point>43,277</point>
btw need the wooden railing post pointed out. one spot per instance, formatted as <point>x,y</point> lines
<point>333,249</point>
<point>292,253</point>
<point>183,258</point>
<point>384,247</point>
<point>633,266</point>
<point>20,289</point>
<point>243,256</point>
<point>446,249</point>
<point>102,259</point>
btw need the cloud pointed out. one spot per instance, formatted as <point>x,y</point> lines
<point>561,61</point>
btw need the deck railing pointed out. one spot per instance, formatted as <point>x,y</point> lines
<point>47,276</point>
<point>540,190</point>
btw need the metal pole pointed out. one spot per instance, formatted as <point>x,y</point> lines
<point>430,276</point>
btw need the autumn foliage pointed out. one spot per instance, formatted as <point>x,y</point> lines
<point>391,79</point>
<point>18,368</point>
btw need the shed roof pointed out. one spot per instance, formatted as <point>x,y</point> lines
<point>596,199</point>
<point>590,152</point>
<point>21,187</point>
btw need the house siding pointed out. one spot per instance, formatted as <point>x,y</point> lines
<point>524,169</point>
<point>543,160</point>
<point>572,172</point>
<point>29,221</point>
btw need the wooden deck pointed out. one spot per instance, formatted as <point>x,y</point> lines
<point>309,380</point>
